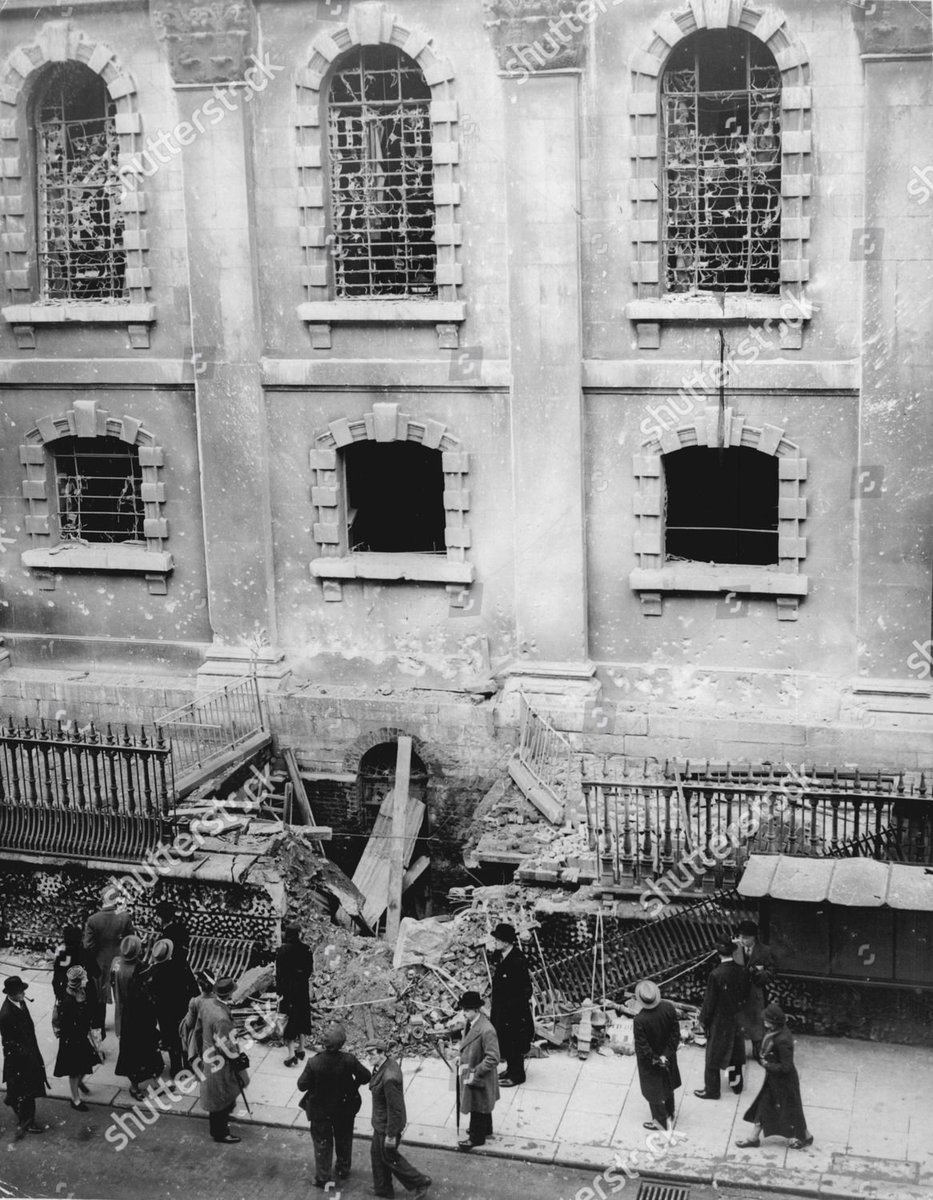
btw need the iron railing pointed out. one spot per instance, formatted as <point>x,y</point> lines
<point>212,725</point>
<point>545,752</point>
<point>82,794</point>
<point>643,827</point>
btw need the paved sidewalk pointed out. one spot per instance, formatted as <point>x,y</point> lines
<point>868,1106</point>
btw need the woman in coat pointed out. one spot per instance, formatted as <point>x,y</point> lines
<point>72,1020</point>
<point>73,954</point>
<point>140,1058</point>
<point>170,983</point>
<point>778,1109</point>
<point>294,966</point>
<point>189,1030</point>
<point>223,1067</point>
<point>23,1065</point>
<point>657,1036</point>
<point>478,1059</point>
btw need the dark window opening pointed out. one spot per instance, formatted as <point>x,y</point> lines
<point>80,223</point>
<point>381,176</point>
<point>721,114</point>
<point>722,506</point>
<point>395,497</point>
<point>98,483</point>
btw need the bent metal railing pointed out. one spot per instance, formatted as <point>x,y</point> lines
<point>213,725</point>
<point>79,793</point>
<point>546,752</point>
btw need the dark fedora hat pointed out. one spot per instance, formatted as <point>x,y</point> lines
<point>505,933</point>
<point>725,948</point>
<point>14,984</point>
<point>224,988</point>
<point>470,1000</point>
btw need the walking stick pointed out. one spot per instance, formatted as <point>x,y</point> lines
<point>239,1083</point>
<point>446,1062</point>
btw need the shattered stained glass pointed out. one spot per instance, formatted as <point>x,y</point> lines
<point>721,108</point>
<point>381,176</point>
<point>98,482</point>
<point>81,254</point>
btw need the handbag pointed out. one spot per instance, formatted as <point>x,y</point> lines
<point>241,1062</point>
<point>95,1039</point>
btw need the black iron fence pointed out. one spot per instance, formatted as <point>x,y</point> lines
<point>84,794</point>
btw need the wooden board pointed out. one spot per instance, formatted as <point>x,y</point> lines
<point>372,874</point>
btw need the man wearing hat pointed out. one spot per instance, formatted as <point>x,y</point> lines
<point>103,933</point>
<point>757,960</point>
<point>478,1059</point>
<point>720,1017</point>
<point>172,985</point>
<point>23,1066</point>
<point>657,1036</point>
<point>136,1023</point>
<point>331,1082</point>
<point>511,1005</point>
<point>223,1065</point>
<point>389,1120</point>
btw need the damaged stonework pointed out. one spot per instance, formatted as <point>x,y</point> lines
<point>535,35</point>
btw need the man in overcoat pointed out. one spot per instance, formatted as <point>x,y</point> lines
<point>223,1067</point>
<point>23,1066</point>
<point>389,1121</point>
<point>720,1019</point>
<point>103,933</point>
<point>758,962</point>
<point>511,1005</point>
<point>478,1059</point>
<point>657,1036</point>
<point>331,1082</point>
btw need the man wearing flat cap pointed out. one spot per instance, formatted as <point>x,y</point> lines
<point>511,1005</point>
<point>720,1018</point>
<point>657,1036</point>
<point>23,1065</point>
<point>389,1120</point>
<point>331,1082</point>
<point>478,1059</point>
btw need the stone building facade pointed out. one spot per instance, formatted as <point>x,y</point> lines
<point>393,348</point>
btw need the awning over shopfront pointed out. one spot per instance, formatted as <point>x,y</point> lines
<point>851,882</point>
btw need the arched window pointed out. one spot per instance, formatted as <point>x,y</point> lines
<point>381,174</point>
<point>721,138</point>
<point>721,505</point>
<point>98,482</point>
<point>78,216</point>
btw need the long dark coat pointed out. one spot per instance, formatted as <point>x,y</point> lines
<point>778,1108</point>
<point>103,933</point>
<point>759,967</point>
<point>140,1057</point>
<point>331,1083</point>
<point>719,1016</point>
<point>657,1034</point>
<point>479,1054</point>
<point>222,1083</point>
<point>170,986</point>
<point>294,966</point>
<point>23,1067</point>
<point>76,1055</point>
<point>510,1009</point>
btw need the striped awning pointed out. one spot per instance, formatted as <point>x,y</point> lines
<point>851,882</point>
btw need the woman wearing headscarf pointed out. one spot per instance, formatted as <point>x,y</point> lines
<point>73,954</point>
<point>168,983</point>
<point>140,1058</point>
<point>777,1110</point>
<point>72,1020</point>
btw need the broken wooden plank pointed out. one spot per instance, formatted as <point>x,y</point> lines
<point>536,792</point>
<point>397,844</point>
<point>372,874</point>
<point>415,871</point>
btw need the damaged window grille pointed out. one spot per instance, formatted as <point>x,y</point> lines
<point>721,113</point>
<point>381,176</point>
<point>98,484</point>
<point>413,476</point>
<point>81,255</point>
<point>722,506</point>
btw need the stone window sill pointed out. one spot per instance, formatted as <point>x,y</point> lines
<point>429,568</point>
<point>712,577</point>
<point>79,314</point>
<point>129,559</point>
<point>719,308</point>
<point>445,315</point>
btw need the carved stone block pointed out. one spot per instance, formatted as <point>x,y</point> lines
<point>206,43</point>
<point>530,36</point>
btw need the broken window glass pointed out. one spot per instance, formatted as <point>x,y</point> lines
<point>721,113</point>
<point>381,176</point>
<point>395,497</point>
<point>98,483</point>
<point>722,505</point>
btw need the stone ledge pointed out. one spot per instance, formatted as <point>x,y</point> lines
<point>711,577</point>
<point>718,308</point>
<point>66,557</point>
<point>79,314</point>
<point>382,312</point>
<point>427,568</point>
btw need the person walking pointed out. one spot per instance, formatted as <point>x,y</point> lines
<point>294,966</point>
<point>657,1036</point>
<point>23,1066</point>
<point>136,1024</point>
<point>224,1064</point>
<point>189,1029</point>
<point>758,962</point>
<point>73,954</point>
<point>510,1010</point>
<point>477,1079</point>
<point>72,1019</point>
<point>331,1083</point>
<point>104,930</point>
<point>719,1017</point>
<point>389,1121</point>
<point>777,1110</point>
<point>170,983</point>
